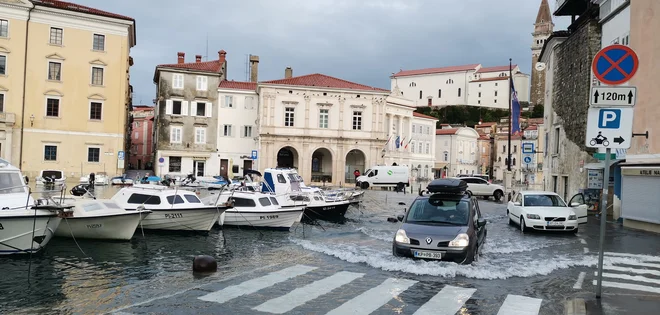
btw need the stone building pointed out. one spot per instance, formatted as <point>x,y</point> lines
<point>542,30</point>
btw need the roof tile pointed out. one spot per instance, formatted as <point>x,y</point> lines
<point>79,8</point>
<point>491,79</point>
<point>324,81</point>
<point>238,85</point>
<point>444,132</point>
<point>206,66</point>
<point>420,115</point>
<point>404,73</point>
<point>496,69</point>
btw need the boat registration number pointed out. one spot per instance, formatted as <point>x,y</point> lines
<point>430,255</point>
<point>173,215</point>
<point>266,217</point>
<point>555,223</point>
<point>1,227</point>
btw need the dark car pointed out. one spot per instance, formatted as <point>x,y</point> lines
<point>443,223</point>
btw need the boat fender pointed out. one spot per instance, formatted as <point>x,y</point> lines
<point>204,263</point>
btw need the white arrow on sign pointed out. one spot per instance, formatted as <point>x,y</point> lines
<point>609,128</point>
<point>623,96</point>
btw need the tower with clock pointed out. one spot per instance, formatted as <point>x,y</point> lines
<point>543,28</point>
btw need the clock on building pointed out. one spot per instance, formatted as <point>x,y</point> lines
<point>540,66</point>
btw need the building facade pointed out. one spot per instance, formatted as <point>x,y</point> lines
<point>187,116</point>
<point>501,155</point>
<point>422,146</point>
<point>543,27</point>
<point>69,112</point>
<point>456,151</point>
<point>141,155</point>
<point>491,86</point>
<point>485,148</point>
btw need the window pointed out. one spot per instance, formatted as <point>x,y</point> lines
<point>52,107</point>
<point>495,101</point>
<point>244,203</point>
<point>229,101</point>
<point>264,201</point>
<point>556,141</point>
<point>495,83</point>
<point>420,95</point>
<point>201,109</point>
<point>479,94</point>
<point>439,93</point>
<point>174,199</point>
<point>323,118</point>
<point>479,84</point>
<point>93,155</point>
<point>281,179</point>
<point>459,92</point>
<point>4,28</point>
<point>357,120</point>
<point>202,83</point>
<point>99,42</point>
<point>200,135</point>
<point>137,135</point>
<point>504,149</point>
<point>3,64</point>
<point>176,107</point>
<point>175,164</point>
<point>54,71</point>
<point>495,93</point>
<point>2,103</point>
<point>289,116</point>
<point>226,130</point>
<point>413,128</point>
<point>177,81</point>
<point>143,199</point>
<point>97,76</point>
<point>249,102</point>
<point>95,110</point>
<point>175,134</point>
<point>247,131</point>
<point>56,36</point>
<point>515,148</point>
<point>50,153</point>
<point>428,148</point>
<point>513,162</point>
<point>450,81</point>
<point>192,199</point>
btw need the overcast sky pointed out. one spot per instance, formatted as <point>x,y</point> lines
<point>357,40</point>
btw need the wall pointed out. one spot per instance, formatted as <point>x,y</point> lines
<point>238,147</point>
<point>423,132</point>
<point>429,84</point>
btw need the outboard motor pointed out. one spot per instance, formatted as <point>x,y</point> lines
<point>79,190</point>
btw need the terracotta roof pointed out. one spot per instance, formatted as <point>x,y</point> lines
<point>142,107</point>
<point>404,73</point>
<point>486,124</point>
<point>491,79</point>
<point>535,121</point>
<point>79,8</point>
<point>206,66</point>
<point>532,127</point>
<point>496,69</point>
<point>420,115</point>
<point>484,137</point>
<point>444,132</point>
<point>324,81</point>
<point>238,85</point>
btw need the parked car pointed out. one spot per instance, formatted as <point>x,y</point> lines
<point>482,188</point>
<point>546,211</point>
<point>482,176</point>
<point>384,176</point>
<point>443,223</point>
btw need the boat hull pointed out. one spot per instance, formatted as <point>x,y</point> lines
<point>201,219</point>
<point>16,232</point>
<point>330,212</point>
<point>110,227</point>
<point>277,219</point>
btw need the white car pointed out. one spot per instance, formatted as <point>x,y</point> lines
<point>480,187</point>
<point>546,211</point>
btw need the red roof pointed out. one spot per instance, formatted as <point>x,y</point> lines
<point>79,8</point>
<point>142,107</point>
<point>537,121</point>
<point>416,114</point>
<point>486,124</point>
<point>484,137</point>
<point>404,73</point>
<point>206,66</point>
<point>324,81</point>
<point>496,69</point>
<point>491,79</point>
<point>238,85</point>
<point>532,127</point>
<point>444,132</point>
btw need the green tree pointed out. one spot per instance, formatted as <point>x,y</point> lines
<point>537,112</point>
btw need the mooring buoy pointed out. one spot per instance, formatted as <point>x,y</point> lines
<point>204,263</point>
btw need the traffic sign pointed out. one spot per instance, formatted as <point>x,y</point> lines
<point>609,128</point>
<point>528,147</point>
<point>161,160</point>
<point>254,154</point>
<point>615,64</point>
<point>604,96</point>
<point>527,159</point>
<point>120,155</point>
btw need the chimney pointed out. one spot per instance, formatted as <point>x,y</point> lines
<point>254,68</point>
<point>198,58</point>
<point>181,57</point>
<point>288,73</point>
<point>222,56</point>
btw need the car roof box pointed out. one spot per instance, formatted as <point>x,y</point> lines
<point>448,186</point>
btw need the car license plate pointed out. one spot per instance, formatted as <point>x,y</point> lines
<point>430,255</point>
<point>554,223</point>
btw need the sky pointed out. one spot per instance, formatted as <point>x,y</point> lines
<point>363,41</point>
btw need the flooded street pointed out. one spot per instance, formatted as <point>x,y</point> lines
<point>152,273</point>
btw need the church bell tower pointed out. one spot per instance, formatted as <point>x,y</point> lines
<point>542,30</point>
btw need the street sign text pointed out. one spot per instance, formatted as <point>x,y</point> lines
<point>623,96</point>
<point>609,128</point>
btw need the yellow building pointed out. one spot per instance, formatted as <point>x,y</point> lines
<point>64,86</point>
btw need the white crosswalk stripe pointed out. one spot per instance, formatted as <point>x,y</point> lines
<point>447,302</point>
<point>374,298</point>
<point>520,305</point>
<point>638,273</point>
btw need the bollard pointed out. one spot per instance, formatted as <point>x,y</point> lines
<point>204,263</point>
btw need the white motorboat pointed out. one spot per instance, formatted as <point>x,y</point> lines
<point>171,209</point>
<point>100,179</point>
<point>46,177</point>
<point>121,181</point>
<point>24,226</point>
<point>100,219</point>
<point>256,209</point>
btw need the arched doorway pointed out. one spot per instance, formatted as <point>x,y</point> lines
<point>322,165</point>
<point>287,157</point>
<point>355,160</point>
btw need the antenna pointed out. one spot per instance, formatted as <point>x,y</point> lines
<point>206,58</point>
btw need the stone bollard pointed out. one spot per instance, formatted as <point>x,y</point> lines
<point>204,263</point>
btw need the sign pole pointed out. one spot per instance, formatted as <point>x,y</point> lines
<point>603,222</point>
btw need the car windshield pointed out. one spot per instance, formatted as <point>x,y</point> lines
<point>439,211</point>
<point>543,201</point>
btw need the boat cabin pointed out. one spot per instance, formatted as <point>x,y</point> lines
<point>14,192</point>
<point>156,197</point>
<point>281,180</point>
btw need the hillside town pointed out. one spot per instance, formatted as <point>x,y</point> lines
<point>68,115</point>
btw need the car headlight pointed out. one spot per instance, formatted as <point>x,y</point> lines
<point>401,237</point>
<point>572,217</point>
<point>533,216</point>
<point>462,240</point>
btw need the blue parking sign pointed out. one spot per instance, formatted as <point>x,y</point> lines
<point>120,155</point>
<point>609,118</point>
<point>254,154</point>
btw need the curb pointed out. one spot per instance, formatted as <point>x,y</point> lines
<point>575,307</point>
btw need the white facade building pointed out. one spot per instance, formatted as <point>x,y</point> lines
<point>456,149</point>
<point>422,145</point>
<point>237,127</point>
<point>501,156</point>
<point>461,85</point>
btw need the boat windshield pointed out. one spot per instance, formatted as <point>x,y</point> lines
<point>294,178</point>
<point>11,183</point>
<point>51,174</point>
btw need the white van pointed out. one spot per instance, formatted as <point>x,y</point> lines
<point>384,176</point>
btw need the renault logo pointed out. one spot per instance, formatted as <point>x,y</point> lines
<point>428,240</point>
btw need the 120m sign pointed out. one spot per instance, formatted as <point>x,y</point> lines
<point>623,96</point>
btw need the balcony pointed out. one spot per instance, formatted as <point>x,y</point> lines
<point>7,118</point>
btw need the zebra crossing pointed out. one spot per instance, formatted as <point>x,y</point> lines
<point>449,300</point>
<point>639,273</point>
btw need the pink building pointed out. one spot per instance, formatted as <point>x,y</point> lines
<point>142,135</point>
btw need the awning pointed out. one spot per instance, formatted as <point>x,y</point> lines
<point>439,165</point>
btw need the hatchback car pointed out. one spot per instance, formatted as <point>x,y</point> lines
<point>443,223</point>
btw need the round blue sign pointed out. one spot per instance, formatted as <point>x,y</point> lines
<point>161,160</point>
<point>527,159</point>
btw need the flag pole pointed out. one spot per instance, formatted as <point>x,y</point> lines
<point>508,162</point>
